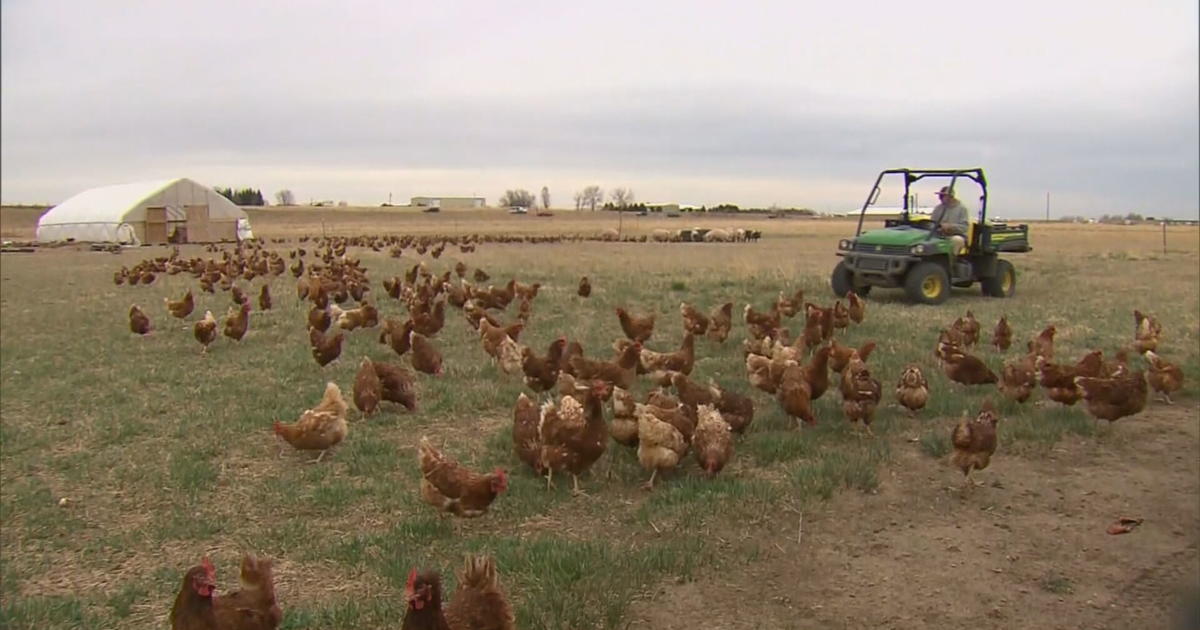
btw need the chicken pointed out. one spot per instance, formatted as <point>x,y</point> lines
<point>789,305</point>
<point>794,395</point>
<point>541,373</point>
<point>396,385</point>
<point>325,349</point>
<point>839,355</point>
<point>365,316</point>
<point>764,372</point>
<point>661,446</point>
<point>712,443</point>
<point>510,356</point>
<point>573,434</point>
<point>720,322</point>
<point>139,323</point>
<point>237,321</point>
<point>856,306</point>
<point>430,323</point>
<point>1059,380</point>
<point>478,602</point>
<point>694,321</point>
<point>761,324</point>
<point>264,299</point>
<point>1002,335</point>
<point>425,357</point>
<point>368,389</point>
<point>526,443</point>
<point>585,287</point>
<point>967,369</point>
<point>491,336</point>
<point>860,393</point>
<point>824,318</point>
<point>950,341</point>
<point>1018,378</point>
<point>396,335</point>
<point>205,331</point>
<point>812,335</point>
<point>1146,332</point>
<point>912,392</point>
<point>691,393</point>
<point>319,318</point>
<point>840,315</point>
<point>681,360</point>
<point>974,442</point>
<point>624,427</point>
<point>816,372</point>
<point>1115,397</point>
<point>1043,344</point>
<point>451,488</point>
<point>423,599</point>
<point>619,373</point>
<point>636,328</point>
<point>1164,377</point>
<point>736,409</point>
<point>253,607</point>
<point>969,327</point>
<point>238,296</point>
<point>193,607</point>
<point>675,413</point>
<point>182,307</point>
<point>320,428</point>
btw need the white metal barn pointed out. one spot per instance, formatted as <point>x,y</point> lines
<point>174,210</point>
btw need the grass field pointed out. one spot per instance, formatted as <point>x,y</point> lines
<point>125,459</point>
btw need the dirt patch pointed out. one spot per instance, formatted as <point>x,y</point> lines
<point>1029,549</point>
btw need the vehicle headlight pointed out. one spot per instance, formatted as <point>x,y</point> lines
<point>917,249</point>
<point>844,244</point>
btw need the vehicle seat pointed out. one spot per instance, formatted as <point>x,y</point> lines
<point>970,238</point>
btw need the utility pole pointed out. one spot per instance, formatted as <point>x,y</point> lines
<point>1047,205</point>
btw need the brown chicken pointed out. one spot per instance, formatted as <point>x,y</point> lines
<point>205,331</point>
<point>789,305</point>
<point>365,316</point>
<point>720,322</point>
<point>193,608</point>
<point>237,321</point>
<point>694,321</point>
<point>1059,380</point>
<point>238,296</point>
<point>839,355</point>
<point>637,328</point>
<point>138,322</point>
<point>736,409</point>
<point>542,372</point>
<point>425,356</point>
<point>661,446</point>
<point>1002,335</point>
<point>760,324</point>
<point>430,323</point>
<point>967,369</point>
<point>969,327</point>
<point>840,315</point>
<point>573,434</point>
<point>974,442</point>
<point>253,607</point>
<point>183,307</point>
<point>1165,377</point>
<point>1145,333</point>
<point>368,389</point>
<point>264,299</point>
<point>319,318</point>
<point>912,392</point>
<point>491,336</point>
<point>950,341</point>
<point>585,287</point>
<point>526,442</point>
<point>816,372</point>
<point>860,393</point>
<point>1113,398</point>
<point>764,372</point>
<point>451,488</point>
<point>794,395</point>
<point>619,373</point>
<point>478,603</point>
<point>325,349</point>
<point>396,335</point>
<point>712,443</point>
<point>824,318</point>
<point>1019,378</point>
<point>682,360</point>
<point>624,426</point>
<point>396,385</point>
<point>320,428</point>
<point>690,392</point>
<point>1043,344</point>
<point>856,306</point>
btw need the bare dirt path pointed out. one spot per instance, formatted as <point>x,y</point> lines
<point>1029,549</point>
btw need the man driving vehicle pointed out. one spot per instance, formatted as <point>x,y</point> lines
<point>950,217</point>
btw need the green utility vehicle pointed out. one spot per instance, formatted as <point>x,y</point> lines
<point>909,252</point>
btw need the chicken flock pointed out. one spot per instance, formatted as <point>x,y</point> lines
<point>582,401</point>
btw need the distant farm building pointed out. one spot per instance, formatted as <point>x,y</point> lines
<point>669,208</point>
<point>173,210</point>
<point>448,202</point>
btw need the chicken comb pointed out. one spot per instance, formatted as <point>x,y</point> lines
<point>208,567</point>
<point>411,584</point>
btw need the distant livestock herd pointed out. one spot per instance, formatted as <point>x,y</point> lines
<point>694,235</point>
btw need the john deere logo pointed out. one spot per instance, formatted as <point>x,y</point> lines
<point>879,248</point>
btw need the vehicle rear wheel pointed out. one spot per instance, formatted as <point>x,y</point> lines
<point>843,282</point>
<point>927,283</point>
<point>1003,284</point>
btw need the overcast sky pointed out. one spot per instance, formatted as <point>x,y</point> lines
<point>753,103</point>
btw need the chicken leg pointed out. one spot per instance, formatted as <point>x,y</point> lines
<point>575,491</point>
<point>649,485</point>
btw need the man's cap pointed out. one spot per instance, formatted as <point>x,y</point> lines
<point>946,190</point>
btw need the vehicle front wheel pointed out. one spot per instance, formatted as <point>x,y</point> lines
<point>1003,284</point>
<point>927,283</point>
<point>843,282</point>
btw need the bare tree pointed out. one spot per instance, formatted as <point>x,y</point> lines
<point>592,197</point>
<point>518,197</point>
<point>578,200</point>
<point>546,197</point>
<point>285,197</point>
<point>622,196</point>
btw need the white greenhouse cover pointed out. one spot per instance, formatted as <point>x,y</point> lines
<point>104,214</point>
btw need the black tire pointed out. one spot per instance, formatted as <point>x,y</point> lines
<point>843,282</point>
<point>1003,284</point>
<point>927,283</point>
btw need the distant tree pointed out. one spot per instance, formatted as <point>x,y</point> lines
<point>592,197</point>
<point>578,200</point>
<point>518,197</point>
<point>243,196</point>
<point>1134,217</point>
<point>285,197</point>
<point>622,197</point>
<point>546,197</point>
